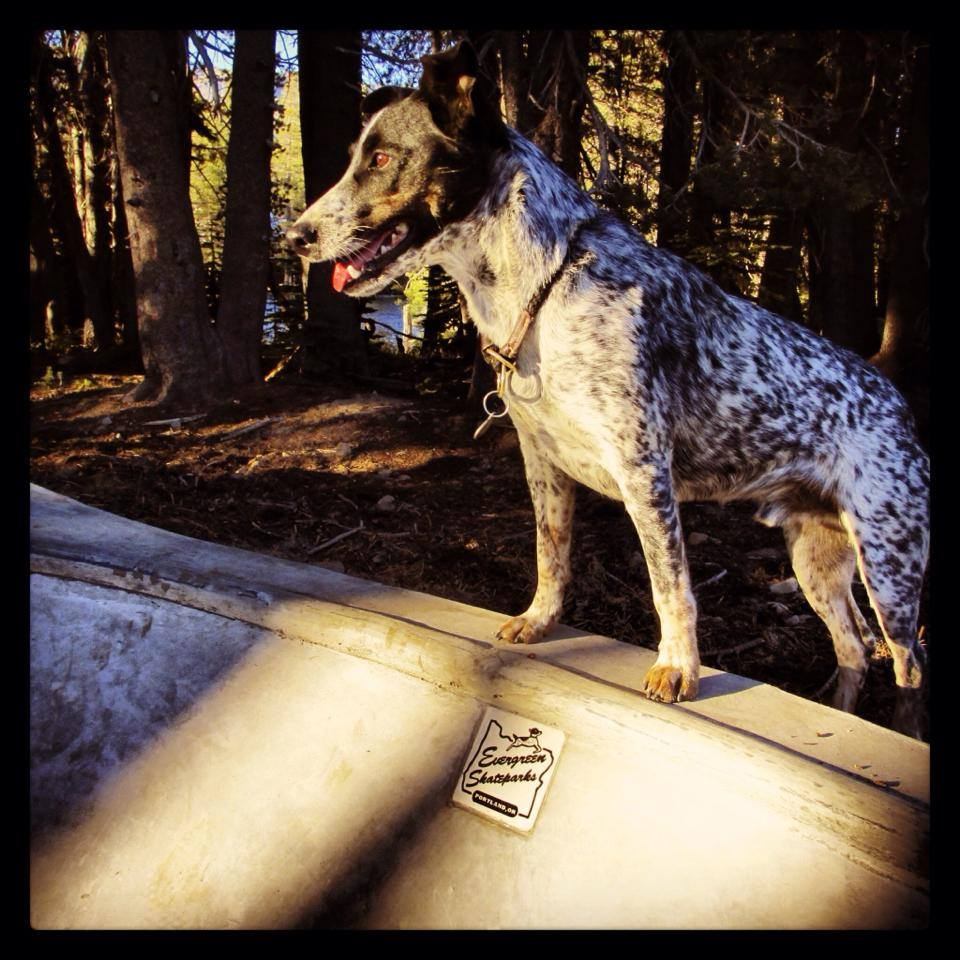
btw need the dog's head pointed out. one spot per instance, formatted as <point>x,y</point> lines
<point>421,162</point>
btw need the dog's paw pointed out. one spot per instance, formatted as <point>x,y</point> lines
<point>849,682</point>
<point>668,683</point>
<point>520,630</point>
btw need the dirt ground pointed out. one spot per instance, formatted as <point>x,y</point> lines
<point>394,489</point>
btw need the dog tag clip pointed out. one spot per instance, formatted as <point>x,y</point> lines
<point>491,414</point>
<point>482,429</point>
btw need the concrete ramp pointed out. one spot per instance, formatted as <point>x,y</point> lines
<point>222,739</point>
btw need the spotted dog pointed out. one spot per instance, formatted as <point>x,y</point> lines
<point>633,373</point>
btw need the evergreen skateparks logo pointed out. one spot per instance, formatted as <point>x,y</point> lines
<point>509,768</point>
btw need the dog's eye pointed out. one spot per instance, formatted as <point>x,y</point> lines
<point>379,159</point>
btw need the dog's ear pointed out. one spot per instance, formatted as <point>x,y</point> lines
<point>383,97</point>
<point>460,97</point>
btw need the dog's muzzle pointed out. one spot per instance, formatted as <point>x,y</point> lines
<point>301,237</point>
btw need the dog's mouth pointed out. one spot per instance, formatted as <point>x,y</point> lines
<point>374,256</point>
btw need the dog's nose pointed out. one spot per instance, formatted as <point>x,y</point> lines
<point>300,237</point>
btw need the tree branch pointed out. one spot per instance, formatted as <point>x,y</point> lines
<point>200,45</point>
<point>792,135</point>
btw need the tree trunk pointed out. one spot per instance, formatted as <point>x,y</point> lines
<point>842,304</point>
<point>246,245</point>
<point>329,123</point>
<point>432,321</point>
<point>94,95</point>
<point>66,217</point>
<point>703,205</point>
<point>487,45</point>
<point>498,52</point>
<point>710,210</point>
<point>559,77</point>
<point>182,356</point>
<point>778,282</point>
<point>903,352</point>
<point>513,77</point>
<point>47,301</point>
<point>543,90</point>
<point>676,153</point>
<point>174,43</point>
<point>122,277</point>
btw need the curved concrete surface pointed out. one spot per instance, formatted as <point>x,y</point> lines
<point>222,739</point>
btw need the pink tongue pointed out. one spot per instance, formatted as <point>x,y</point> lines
<point>340,276</point>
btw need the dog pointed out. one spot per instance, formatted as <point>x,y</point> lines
<point>628,370</point>
<point>531,742</point>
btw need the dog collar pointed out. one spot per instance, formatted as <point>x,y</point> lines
<point>506,355</point>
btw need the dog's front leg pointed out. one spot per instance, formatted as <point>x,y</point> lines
<point>651,502</point>
<point>552,492</point>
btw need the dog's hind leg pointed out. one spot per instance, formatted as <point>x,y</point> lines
<point>649,497</point>
<point>893,583</point>
<point>824,561</point>
<point>552,492</point>
<point>889,530</point>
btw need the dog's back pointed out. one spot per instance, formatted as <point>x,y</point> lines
<point>649,357</point>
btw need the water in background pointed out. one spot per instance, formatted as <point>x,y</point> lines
<point>384,309</point>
